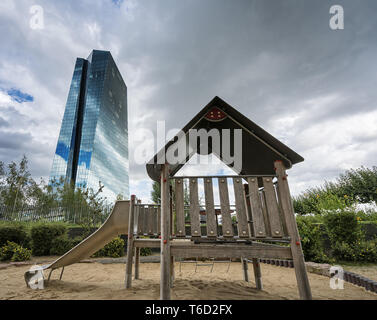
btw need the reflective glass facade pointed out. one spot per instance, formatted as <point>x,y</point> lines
<point>93,140</point>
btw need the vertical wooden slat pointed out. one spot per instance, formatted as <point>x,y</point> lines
<point>242,223</point>
<point>159,220</point>
<point>272,208</point>
<point>150,220</point>
<point>179,208</point>
<point>155,220</point>
<point>227,226</point>
<point>136,220</point>
<point>265,214</point>
<point>146,220</point>
<point>194,208</point>
<point>256,208</point>
<point>141,220</point>
<point>282,219</point>
<point>210,208</point>
<point>248,209</point>
<point>296,249</point>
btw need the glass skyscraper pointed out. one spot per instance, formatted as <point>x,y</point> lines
<point>93,141</point>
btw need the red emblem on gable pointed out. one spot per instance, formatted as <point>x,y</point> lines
<point>215,114</point>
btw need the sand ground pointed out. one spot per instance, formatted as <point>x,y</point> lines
<point>106,281</point>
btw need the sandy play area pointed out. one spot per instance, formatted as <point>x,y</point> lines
<point>105,281</point>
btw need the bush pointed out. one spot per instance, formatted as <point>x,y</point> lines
<point>6,251</point>
<point>145,251</point>
<point>343,226</point>
<point>15,233</point>
<point>61,245</point>
<point>42,236</point>
<point>311,239</point>
<point>21,254</point>
<point>114,249</point>
<point>14,252</point>
<point>363,251</point>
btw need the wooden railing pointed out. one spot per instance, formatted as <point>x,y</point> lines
<point>147,219</point>
<point>251,203</point>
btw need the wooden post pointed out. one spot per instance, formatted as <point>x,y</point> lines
<point>257,273</point>
<point>245,268</point>
<point>290,220</point>
<point>165,235</point>
<point>172,276</point>
<point>137,262</point>
<point>130,243</point>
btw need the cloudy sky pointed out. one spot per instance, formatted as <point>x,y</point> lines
<point>277,62</point>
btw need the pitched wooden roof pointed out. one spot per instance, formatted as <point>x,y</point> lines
<point>259,148</point>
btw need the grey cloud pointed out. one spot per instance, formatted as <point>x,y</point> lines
<point>266,58</point>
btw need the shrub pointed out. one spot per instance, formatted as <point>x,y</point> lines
<point>145,251</point>
<point>363,251</point>
<point>6,251</point>
<point>114,249</point>
<point>14,232</point>
<point>343,226</point>
<point>42,236</point>
<point>61,245</point>
<point>14,252</point>
<point>311,239</point>
<point>21,254</point>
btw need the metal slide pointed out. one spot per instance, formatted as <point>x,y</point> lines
<point>116,224</point>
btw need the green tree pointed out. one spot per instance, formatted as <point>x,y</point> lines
<point>355,185</point>
<point>16,184</point>
<point>156,192</point>
<point>359,184</point>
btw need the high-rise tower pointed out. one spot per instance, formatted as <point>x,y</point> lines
<point>93,140</point>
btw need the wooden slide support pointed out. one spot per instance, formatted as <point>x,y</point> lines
<point>296,249</point>
<point>130,244</point>
<point>165,235</point>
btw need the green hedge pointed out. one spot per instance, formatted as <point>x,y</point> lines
<point>43,235</point>
<point>14,232</point>
<point>312,239</point>
<point>114,249</point>
<point>363,251</point>
<point>61,245</point>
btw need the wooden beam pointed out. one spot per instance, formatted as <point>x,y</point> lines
<point>130,240</point>
<point>257,274</point>
<point>137,262</point>
<point>147,243</point>
<point>165,235</point>
<point>296,248</point>
<point>245,268</point>
<point>229,251</point>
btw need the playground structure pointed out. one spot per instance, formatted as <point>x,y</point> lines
<point>265,222</point>
<point>263,206</point>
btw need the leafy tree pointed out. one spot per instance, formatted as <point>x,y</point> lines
<point>156,192</point>
<point>16,184</point>
<point>359,184</point>
<point>355,185</point>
